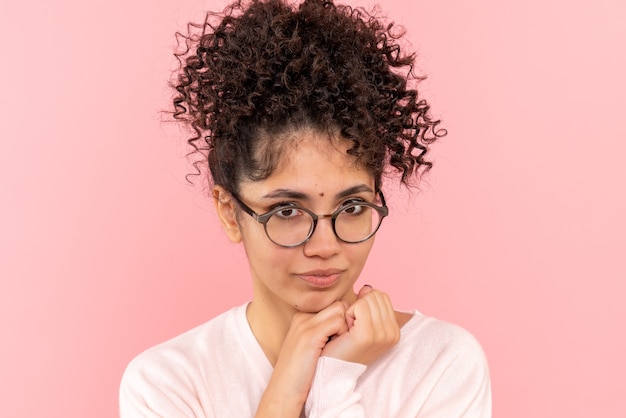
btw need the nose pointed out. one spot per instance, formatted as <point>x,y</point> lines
<point>323,243</point>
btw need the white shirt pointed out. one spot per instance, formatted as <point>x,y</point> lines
<point>218,369</point>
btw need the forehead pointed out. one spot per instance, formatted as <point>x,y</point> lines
<point>307,146</point>
<point>314,162</point>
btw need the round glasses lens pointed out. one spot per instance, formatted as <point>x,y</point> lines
<point>289,226</point>
<point>357,222</point>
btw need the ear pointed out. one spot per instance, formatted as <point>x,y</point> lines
<point>226,211</point>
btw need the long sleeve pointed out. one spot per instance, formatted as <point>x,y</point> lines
<point>212,371</point>
<point>154,392</point>
<point>333,393</point>
<point>463,388</point>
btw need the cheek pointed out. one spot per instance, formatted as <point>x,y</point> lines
<point>360,252</point>
<point>261,252</point>
<point>252,232</point>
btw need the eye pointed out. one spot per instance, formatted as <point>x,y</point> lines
<point>352,207</point>
<point>287,212</point>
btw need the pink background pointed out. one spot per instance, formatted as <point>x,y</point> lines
<point>519,234</point>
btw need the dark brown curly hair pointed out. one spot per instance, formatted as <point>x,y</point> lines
<point>265,68</point>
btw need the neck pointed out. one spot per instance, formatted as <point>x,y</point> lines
<point>269,326</point>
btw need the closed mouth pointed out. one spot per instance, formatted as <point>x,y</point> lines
<point>321,278</point>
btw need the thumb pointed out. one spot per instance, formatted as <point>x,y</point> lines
<point>364,291</point>
<point>350,311</point>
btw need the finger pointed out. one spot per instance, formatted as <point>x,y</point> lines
<point>387,308</point>
<point>382,311</point>
<point>364,291</point>
<point>371,308</point>
<point>375,315</point>
<point>387,317</point>
<point>328,322</point>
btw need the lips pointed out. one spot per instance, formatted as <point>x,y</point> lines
<point>321,278</point>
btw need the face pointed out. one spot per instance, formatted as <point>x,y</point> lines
<point>317,174</point>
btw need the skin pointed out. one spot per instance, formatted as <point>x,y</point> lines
<point>303,304</point>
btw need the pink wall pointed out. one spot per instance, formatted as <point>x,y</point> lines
<point>518,235</point>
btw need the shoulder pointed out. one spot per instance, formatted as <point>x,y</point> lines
<point>450,362</point>
<point>184,347</point>
<point>429,334</point>
<point>172,370</point>
<point>436,369</point>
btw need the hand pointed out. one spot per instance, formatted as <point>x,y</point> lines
<point>359,333</point>
<point>372,329</point>
<point>293,373</point>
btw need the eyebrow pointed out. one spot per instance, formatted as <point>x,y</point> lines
<point>353,190</point>
<point>286,193</point>
<point>293,194</point>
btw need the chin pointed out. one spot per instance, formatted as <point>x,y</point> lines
<point>316,303</point>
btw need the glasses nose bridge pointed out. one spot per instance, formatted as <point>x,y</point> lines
<point>317,218</point>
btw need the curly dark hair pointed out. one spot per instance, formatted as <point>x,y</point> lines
<point>264,68</point>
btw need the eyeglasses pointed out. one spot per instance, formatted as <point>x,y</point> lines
<point>291,225</point>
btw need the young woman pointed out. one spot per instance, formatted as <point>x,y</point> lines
<point>300,111</point>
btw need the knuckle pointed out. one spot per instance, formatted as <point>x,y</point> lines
<point>335,308</point>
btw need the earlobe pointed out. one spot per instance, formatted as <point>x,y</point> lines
<point>226,211</point>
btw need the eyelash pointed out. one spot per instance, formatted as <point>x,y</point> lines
<point>282,205</point>
<point>287,204</point>
<point>352,200</point>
